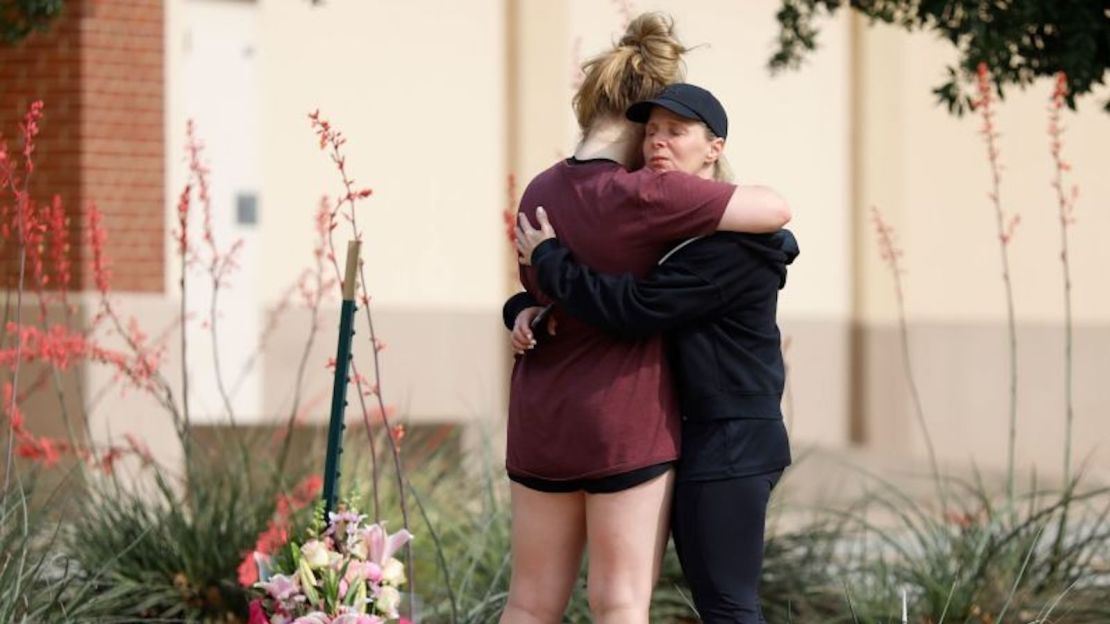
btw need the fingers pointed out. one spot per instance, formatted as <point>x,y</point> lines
<point>552,324</point>
<point>522,337</point>
<point>523,225</point>
<point>521,342</point>
<point>523,253</point>
<point>528,238</point>
<point>523,241</point>
<point>545,225</point>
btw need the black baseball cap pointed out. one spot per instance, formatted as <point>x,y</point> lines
<point>685,100</point>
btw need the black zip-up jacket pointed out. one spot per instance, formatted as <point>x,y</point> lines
<point>716,298</point>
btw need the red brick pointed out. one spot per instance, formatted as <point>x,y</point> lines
<point>99,69</point>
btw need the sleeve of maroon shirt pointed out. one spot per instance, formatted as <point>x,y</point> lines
<point>676,205</point>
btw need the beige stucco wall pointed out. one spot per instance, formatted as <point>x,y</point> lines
<point>442,101</point>
<point>929,174</point>
<point>417,88</point>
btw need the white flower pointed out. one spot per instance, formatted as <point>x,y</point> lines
<point>393,572</point>
<point>358,549</point>
<point>388,601</point>
<point>316,554</point>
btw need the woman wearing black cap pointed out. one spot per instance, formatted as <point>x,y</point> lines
<point>715,297</point>
<point>593,426</point>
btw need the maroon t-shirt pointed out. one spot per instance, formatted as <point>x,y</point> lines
<point>585,404</point>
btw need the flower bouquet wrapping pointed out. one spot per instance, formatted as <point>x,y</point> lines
<point>344,573</point>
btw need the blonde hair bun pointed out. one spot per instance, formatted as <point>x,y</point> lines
<point>647,58</point>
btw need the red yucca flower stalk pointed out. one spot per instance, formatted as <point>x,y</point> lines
<point>219,264</point>
<point>332,139</point>
<point>42,236</point>
<point>98,236</point>
<point>1005,231</point>
<point>199,173</point>
<point>182,235</point>
<point>57,225</point>
<point>891,256</point>
<point>30,130</point>
<point>1065,203</point>
<point>33,239</point>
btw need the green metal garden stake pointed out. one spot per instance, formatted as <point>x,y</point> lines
<point>339,388</point>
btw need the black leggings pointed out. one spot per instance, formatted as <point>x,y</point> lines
<point>718,533</point>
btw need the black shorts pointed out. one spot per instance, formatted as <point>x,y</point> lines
<point>601,485</point>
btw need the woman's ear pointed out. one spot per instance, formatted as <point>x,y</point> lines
<point>716,148</point>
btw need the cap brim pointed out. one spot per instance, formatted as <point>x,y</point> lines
<point>640,112</point>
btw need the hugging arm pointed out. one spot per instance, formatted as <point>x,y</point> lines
<point>515,305</point>
<point>676,293</point>
<point>755,209</point>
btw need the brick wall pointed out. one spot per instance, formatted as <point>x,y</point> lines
<point>99,71</point>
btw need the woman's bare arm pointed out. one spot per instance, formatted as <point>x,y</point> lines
<point>755,209</point>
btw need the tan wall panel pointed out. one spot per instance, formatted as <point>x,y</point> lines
<point>929,174</point>
<point>437,365</point>
<point>816,401</point>
<point>418,90</point>
<point>962,375</point>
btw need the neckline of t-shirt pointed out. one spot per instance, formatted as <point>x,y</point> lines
<point>574,162</point>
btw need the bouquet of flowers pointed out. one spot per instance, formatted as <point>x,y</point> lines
<point>345,573</point>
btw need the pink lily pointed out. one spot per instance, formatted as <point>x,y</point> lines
<point>382,546</point>
<point>280,587</point>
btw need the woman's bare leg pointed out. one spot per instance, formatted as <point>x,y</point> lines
<point>627,534</point>
<point>548,535</point>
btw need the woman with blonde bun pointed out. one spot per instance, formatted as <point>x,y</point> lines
<point>593,428</point>
<point>715,298</point>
